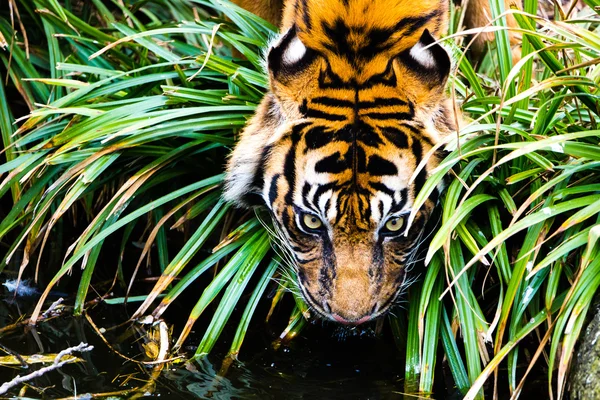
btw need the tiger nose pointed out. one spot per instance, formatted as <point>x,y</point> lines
<point>345,321</point>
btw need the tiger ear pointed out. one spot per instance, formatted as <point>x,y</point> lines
<point>428,61</point>
<point>245,167</point>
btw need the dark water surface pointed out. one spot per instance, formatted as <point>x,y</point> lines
<point>323,362</point>
<point>319,364</point>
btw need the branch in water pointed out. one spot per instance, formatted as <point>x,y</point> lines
<point>56,365</point>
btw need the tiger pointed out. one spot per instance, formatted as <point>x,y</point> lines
<point>357,102</point>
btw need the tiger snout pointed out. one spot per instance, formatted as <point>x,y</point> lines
<point>351,301</point>
<point>352,286</point>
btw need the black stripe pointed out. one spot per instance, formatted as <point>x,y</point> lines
<point>400,205</point>
<point>303,107</point>
<point>306,15</point>
<point>300,249</point>
<point>385,116</point>
<point>333,164</point>
<point>258,180</point>
<point>313,113</point>
<point>435,195</point>
<point>301,276</point>
<point>362,132</point>
<point>289,166</point>
<point>333,102</point>
<point>396,136</point>
<point>289,225</point>
<point>382,188</point>
<point>322,189</point>
<point>308,260</point>
<point>371,42</point>
<point>317,137</point>
<point>305,189</point>
<point>311,299</point>
<point>273,190</point>
<point>360,159</point>
<point>367,207</point>
<point>379,166</point>
<point>417,151</point>
<point>418,130</point>
<point>409,25</point>
<point>413,129</point>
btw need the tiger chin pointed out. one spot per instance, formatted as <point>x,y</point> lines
<point>357,102</point>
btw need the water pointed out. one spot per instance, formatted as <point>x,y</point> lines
<point>322,363</point>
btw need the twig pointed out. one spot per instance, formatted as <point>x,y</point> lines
<point>8,328</point>
<point>56,365</point>
<point>158,361</point>
<point>15,355</point>
<point>52,307</point>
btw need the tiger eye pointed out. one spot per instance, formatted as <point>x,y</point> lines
<point>312,222</point>
<point>394,224</point>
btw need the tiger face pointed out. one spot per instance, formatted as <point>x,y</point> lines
<point>356,103</point>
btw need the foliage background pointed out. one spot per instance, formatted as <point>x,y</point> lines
<point>131,108</point>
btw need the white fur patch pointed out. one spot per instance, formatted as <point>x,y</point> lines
<point>294,52</point>
<point>375,214</point>
<point>323,202</point>
<point>422,55</point>
<point>333,211</point>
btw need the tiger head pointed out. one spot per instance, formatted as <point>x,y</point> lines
<point>356,102</point>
